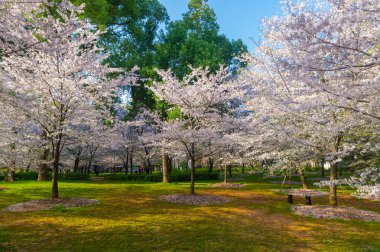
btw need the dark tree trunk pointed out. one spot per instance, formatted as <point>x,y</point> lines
<point>147,166</point>
<point>131,161</point>
<point>54,177</point>
<point>76,164</point>
<point>225,174</point>
<point>192,157</point>
<point>165,168</point>
<point>242,168</point>
<point>170,163</point>
<point>230,171</point>
<point>89,166</point>
<point>210,165</point>
<point>126,163</point>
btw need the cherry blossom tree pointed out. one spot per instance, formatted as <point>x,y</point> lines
<point>62,82</point>
<point>17,26</point>
<point>204,100</point>
<point>313,75</point>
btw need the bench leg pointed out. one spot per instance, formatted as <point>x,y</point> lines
<point>290,199</point>
<point>308,200</point>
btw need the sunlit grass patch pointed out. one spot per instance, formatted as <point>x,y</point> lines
<point>131,217</point>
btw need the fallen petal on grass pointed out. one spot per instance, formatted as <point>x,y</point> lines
<point>227,185</point>
<point>195,199</point>
<point>48,204</point>
<point>330,212</point>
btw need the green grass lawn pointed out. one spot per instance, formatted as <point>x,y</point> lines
<point>132,218</point>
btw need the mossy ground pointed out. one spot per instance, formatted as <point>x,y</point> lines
<point>131,217</point>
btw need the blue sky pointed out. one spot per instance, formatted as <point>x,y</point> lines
<point>236,18</point>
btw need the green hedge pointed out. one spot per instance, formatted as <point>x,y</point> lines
<point>74,176</point>
<point>175,176</point>
<point>33,175</point>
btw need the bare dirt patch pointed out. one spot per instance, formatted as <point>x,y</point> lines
<point>227,185</point>
<point>3,188</point>
<point>196,199</point>
<point>48,204</point>
<point>330,212</point>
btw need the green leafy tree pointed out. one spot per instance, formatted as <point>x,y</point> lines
<point>195,40</point>
<point>132,30</point>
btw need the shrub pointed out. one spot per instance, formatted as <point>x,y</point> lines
<point>122,176</point>
<point>175,176</point>
<point>73,176</point>
<point>26,175</point>
<point>33,175</point>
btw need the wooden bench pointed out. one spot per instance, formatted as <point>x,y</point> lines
<point>304,192</point>
<point>308,199</point>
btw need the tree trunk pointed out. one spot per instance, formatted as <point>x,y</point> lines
<point>192,157</point>
<point>165,170</point>
<point>89,166</point>
<point>303,179</point>
<point>11,174</point>
<point>170,163</point>
<point>131,161</point>
<point>225,174</point>
<point>42,172</point>
<point>230,171</point>
<point>126,160</point>
<point>333,175</point>
<point>210,165</point>
<point>147,166</point>
<point>333,196</point>
<point>323,168</point>
<point>76,164</point>
<point>242,168</point>
<point>54,176</point>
